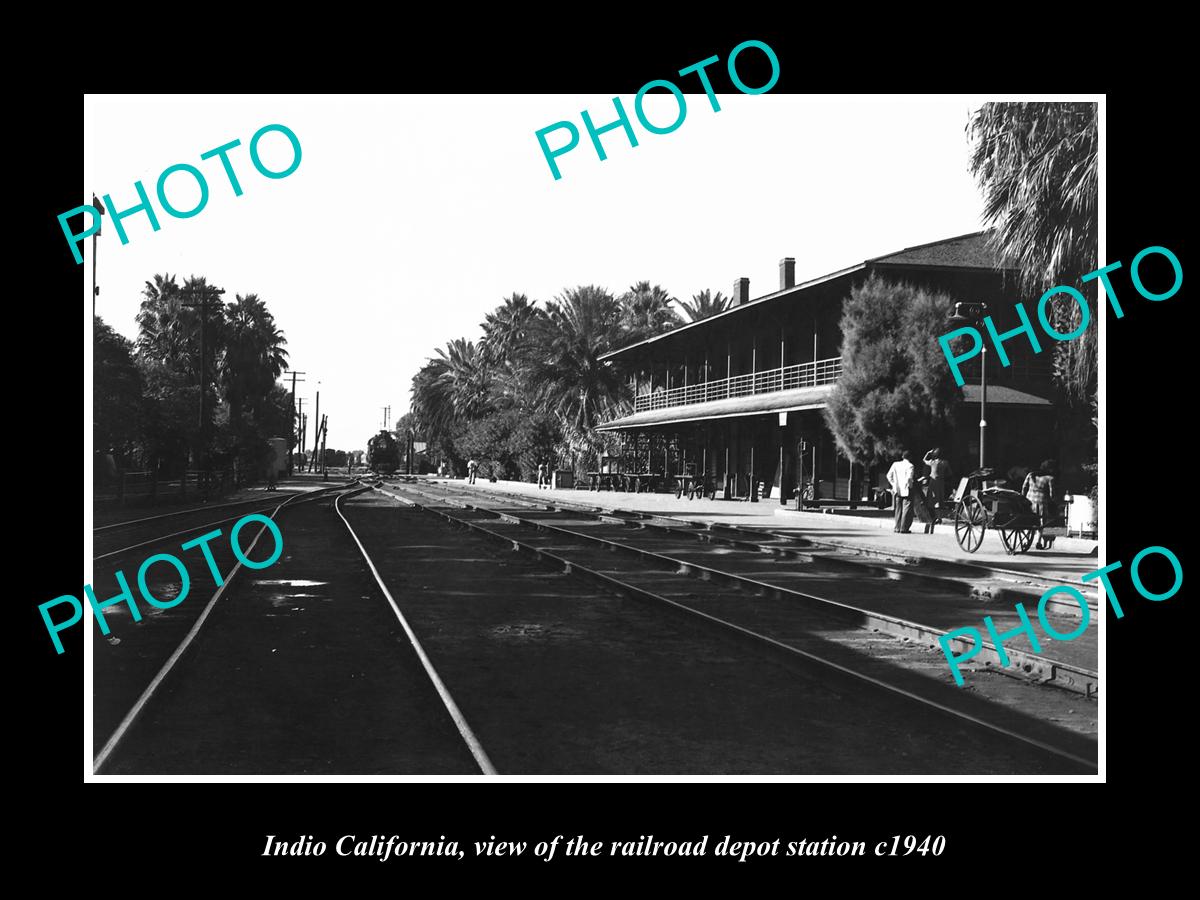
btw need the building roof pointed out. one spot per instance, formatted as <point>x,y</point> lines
<point>752,405</point>
<point>736,309</point>
<point>967,251</point>
<point>790,401</point>
<point>1003,395</point>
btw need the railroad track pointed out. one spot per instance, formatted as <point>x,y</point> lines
<point>130,717</point>
<point>961,586</point>
<point>550,675</point>
<point>567,547</point>
<point>1026,586</point>
<point>266,501</point>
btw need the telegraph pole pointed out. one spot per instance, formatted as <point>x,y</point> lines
<point>303,427</point>
<point>292,446</point>
<point>317,433</point>
<point>324,435</point>
<point>210,294</point>
<point>95,289</point>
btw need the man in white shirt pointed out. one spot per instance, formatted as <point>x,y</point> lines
<point>900,477</point>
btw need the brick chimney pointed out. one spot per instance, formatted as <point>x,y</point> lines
<point>741,291</point>
<point>787,273</point>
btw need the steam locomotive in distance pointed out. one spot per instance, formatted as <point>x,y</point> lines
<point>383,453</point>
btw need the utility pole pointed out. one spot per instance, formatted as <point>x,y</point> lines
<point>303,428</point>
<point>324,435</point>
<point>317,433</point>
<point>204,304</point>
<point>300,421</point>
<point>292,446</point>
<point>95,289</point>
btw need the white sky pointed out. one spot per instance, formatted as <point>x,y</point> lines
<point>409,218</point>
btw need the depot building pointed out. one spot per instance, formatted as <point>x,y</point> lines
<point>740,396</point>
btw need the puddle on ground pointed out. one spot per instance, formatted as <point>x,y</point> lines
<point>298,582</point>
<point>163,591</point>
<point>532,631</point>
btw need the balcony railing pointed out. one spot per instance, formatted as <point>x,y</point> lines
<point>810,374</point>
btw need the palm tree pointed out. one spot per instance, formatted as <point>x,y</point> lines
<point>166,328</point>
<point>506,329</point>
<point>254,356</point>
<point>452,387</point>
<point>646,311</point>
<point>1037,166</point>
<point>566,376</point>
<point>705,304</point>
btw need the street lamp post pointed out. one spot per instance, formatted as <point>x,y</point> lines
<point>973,314</point>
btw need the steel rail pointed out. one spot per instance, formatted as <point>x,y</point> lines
<point>127,722</point>
<point>308,495</point>
<point>901,562</point>
<point>265,501</point>
<point>770,542</point>
<point>460,721</point>
<point>624,587</point>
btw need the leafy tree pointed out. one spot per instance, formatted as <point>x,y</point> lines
<point>1037,166</point>
<point>117,394</point>
<point>647,311</point>
<point>488,440</point>
<point>244,356</point>
<point>896,391</point>
<point>705,304</point>
<point>510,441</point>
<point>171,400</point>
<point>535,438</point>
<point>403,424</point>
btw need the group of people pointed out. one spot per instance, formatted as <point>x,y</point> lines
<point>543,473</point>
<point>918,489</point>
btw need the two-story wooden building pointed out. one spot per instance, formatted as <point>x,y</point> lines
<point>741,395</point>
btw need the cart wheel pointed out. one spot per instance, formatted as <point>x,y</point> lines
<point>970,523</point>
<point>1011,538</point>
<point>1027,536</point>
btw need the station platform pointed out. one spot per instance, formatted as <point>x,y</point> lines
<point>1064,564</point>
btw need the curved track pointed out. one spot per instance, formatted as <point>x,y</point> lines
<point>148,692</point>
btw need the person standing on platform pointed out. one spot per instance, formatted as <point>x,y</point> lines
<point>543,476</point>
<point>1041,489</point>
<point>940,475</point>
<point>472,468</point>
<point>900,477</point>
<point>922,497</point>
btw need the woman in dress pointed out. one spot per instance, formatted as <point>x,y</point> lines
<point>1041,490</point>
